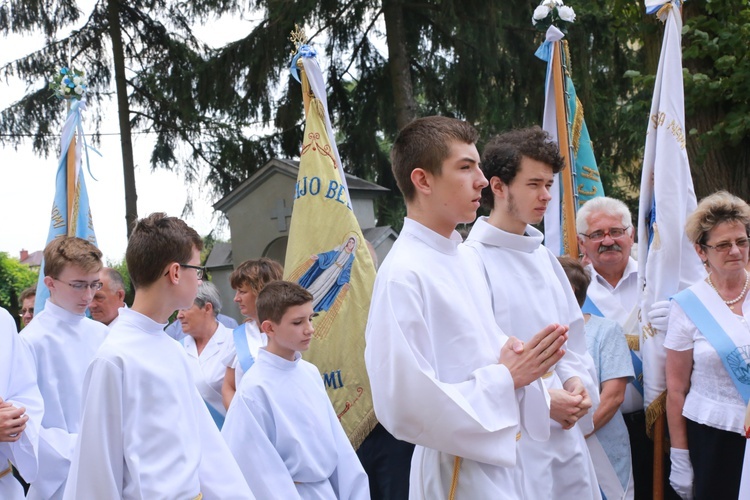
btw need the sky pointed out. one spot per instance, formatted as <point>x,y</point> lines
<point>27,180</point>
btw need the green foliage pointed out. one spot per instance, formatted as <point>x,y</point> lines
<point>14,278</point>
<point>122,267</point>
<point>470,59</point>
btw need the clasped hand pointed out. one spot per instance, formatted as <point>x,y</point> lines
<point>12,422</point>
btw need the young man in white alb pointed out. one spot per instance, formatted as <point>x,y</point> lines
<point>443,374</point>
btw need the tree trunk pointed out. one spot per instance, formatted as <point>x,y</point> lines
<point>123,112</point>
<point>398,62</point>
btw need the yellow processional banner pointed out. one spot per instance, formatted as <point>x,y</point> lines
<point>328,255</point>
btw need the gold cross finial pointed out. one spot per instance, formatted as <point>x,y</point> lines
<point>297,37</point>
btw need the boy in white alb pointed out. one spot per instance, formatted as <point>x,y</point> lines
<point>21,410</point>
<point>63,341</point>
<point>529,290</point>
<point>281,425</point>
<point>443,374</point>
<point>145,432</point>
<point>239,355</point>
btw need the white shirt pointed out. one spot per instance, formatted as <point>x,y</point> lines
<point>145,431</point>
<point>284,433</point>
<point>625,295</point>
<point>255,340</point>
<point>626,289</point>
<point>712,399</point>
<point>530,291</point>
<point>18,387</point>
<point>62,344</point>
<point>432,355</point>
<point>208,368</point>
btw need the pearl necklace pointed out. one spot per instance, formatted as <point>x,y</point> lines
<point>731,303</point>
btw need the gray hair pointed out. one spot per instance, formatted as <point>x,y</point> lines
<point>115,279</point>
<point>609,206</point>
<point>208,294</point>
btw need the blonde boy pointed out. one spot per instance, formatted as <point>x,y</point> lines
<point>443,375</point>
<point>281,427</point>
<point>63,341</point>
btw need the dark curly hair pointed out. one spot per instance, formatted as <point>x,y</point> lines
<point>503,153</point>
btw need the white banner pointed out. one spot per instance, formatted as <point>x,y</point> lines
<point>667,261</point>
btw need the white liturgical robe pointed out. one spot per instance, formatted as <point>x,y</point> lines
<point>18,387</point>
<point>529,291</point>
<point>63,344</point>
<point>286,437</point>
<point>208,368</point>
<point>146,433</point>
<point>432,354</point>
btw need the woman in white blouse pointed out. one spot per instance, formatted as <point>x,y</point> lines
<point>708,343</point>
<point>204,344</point>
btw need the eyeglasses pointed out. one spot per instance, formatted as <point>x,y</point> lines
<point>24,311</point>
<point>80,286</point>
<point>614,232</point>
<point>726,246</point>
<point>199,270</point>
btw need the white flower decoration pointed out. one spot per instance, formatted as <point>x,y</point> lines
<point>540,13</point>
<point>566,13</point>
<point>77,80</point>
<point>79,90</point>
<point>66,89</point>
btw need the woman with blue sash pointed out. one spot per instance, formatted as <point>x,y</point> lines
<point>206,340</point>
<point>708,349</point>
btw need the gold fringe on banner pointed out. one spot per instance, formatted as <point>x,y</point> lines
<point>634,342</point>
<point>657,408</point>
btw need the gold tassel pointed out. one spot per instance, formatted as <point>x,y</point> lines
<point>363,430</point>
<point>657,408</point>
<point>454,479</point>
<point>634,342</point>
<point>577,126</point>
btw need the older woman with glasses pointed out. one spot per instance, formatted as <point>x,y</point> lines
<point>205,341</point>
<point>708,347</point>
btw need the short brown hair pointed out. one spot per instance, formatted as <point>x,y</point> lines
<point>68,250</point>
<point>156,242</point>
<point>29,292</point>
<point>578,276</point>
<point>277,297</point>
<point>712,211</point>
<point>256,273</point>
<point>503,154</point>
<point>425,144</point>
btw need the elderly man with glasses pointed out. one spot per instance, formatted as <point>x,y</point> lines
<point>606,237</point>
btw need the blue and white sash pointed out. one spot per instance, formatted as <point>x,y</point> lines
<point>723,331</point>
<point>244,357</point>
<point>590,308</point>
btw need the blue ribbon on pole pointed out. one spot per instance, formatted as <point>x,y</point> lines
<point>304,51</point>
<point>544,52</point>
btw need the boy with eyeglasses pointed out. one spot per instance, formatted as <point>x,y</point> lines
<point>63,341</point>
<point>146,433</point>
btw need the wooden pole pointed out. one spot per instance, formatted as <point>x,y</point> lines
<point>659,438</point>
<point>569,236</point>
